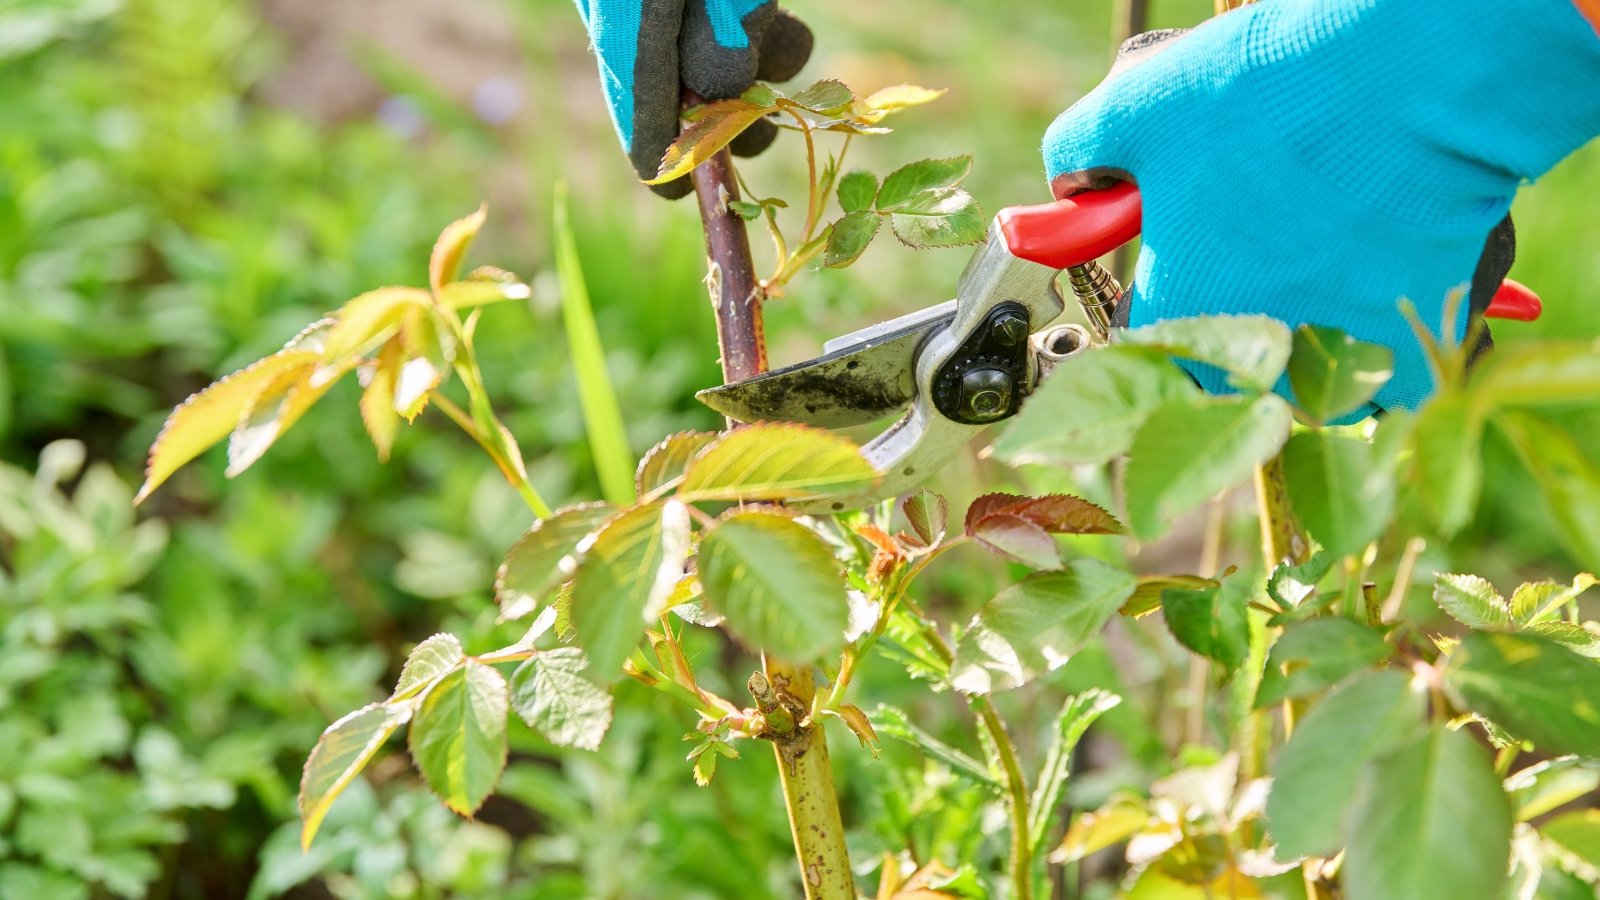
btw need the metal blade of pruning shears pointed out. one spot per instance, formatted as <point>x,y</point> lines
<point>860,378</point>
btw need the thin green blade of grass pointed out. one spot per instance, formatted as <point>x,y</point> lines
<point>602,416</point>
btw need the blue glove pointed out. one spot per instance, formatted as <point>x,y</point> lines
<point>1317,161</point>
<point>650,50</point>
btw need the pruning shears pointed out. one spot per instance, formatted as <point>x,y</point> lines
<point>960,366</point>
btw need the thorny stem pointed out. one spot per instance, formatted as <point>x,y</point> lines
<point>802,756</point>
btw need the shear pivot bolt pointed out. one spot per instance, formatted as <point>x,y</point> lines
<point>985,394</point>
<point>1010,328</point>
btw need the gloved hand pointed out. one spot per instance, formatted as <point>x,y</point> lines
<point>648,51</point>
<point>1317,161</point>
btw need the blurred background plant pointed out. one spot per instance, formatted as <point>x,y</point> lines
<point>184,183</point>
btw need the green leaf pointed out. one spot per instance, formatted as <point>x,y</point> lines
<point>1213,622</point>
<point>848,238</point>
<point>458,737</point>
<point>1253,350</point>
<point>1532,687</point>
<point>1223,440</point>
<point>1332,373</point>
<point>1318,771</point>
<point>745,210</point>
<point>545,557</point>
<point>624,580</point>
<point>451,248</point>
<point>550,693</point>
<point>602,414</point>
<point>942,217</point>
<point>1578,833</point>
<point>1034,626</point>
<point>826,97</point>
<point>894,723</point>
<point>1471,601</point>
<point>1540,373</point>
<point>1551,783</point>
<point>1569,476</point>
<point>1340,492</point>
<point>902,186</point>
<point>714,126</point>
<point>776,462</point>
<point>1146,597</point>
<point>777,584</point>
<point>1317,654</point>
<point>1583,640</point>
<point>927,513</point>
<point>1447,454</point>
<point>428,662</point>
<point>857,191</point>
<point>341,753</point>
<point>665,463</point>
<point>1541,600</point>
<point>1091,407</point>
<point>1077,714</point>
<point>900,96</point>
<point>1432,824</point>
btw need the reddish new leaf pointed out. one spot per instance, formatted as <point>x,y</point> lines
<point>1017,538</point>
<point>715,125</point>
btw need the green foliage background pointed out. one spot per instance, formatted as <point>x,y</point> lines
<point>166,216</point>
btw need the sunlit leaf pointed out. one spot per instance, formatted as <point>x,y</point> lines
<point>458,737</point>
<point>428,662</point>
<point>211,415</point>
<point>857,190</point>
<point>341,753</point>
<point>428,355</point>
<point>1583,640</point>
<point>367,318</point>
<point>1332,373</point>
<point>1531,686</point>
<point>1223,441</point>
<point>776,583</point>
<point>859,724</point>
<point>1253,350</point>
<point>1578,833</point>
<point>1291,585</point>
<point>1146,598</point>
<point>1315,779</point>
<point>550,693</point>
<point>378,414</point>
<point>900,96</point>
<point>1036,625</point>
<point>848,238</point>
<point>1016,538</point>
<point>1471,601</point>
<point>664,463</point>
<point>941,217</point>
<point>545,557</point>
<point>1341,492</point>
<point>776,462</point>
<point>624,581</point>
<point>1318,654</point>
<point>715,126</point>
<point>1431,824</point>
<point>451,247</point>
<point>1092,405</point>
<point>902,187</point>
<point>1541,600</point>
<point>1055,513</point>
<point>1091,832</point>
<point>1551,783</point>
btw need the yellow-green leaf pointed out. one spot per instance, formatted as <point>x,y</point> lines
<point>776,583</point>
<point>716,125</point>
<point>377,400</point>
<point>429,661</point>
<point>900,96</point>
<point>367,318</point>
<point>664,463</point>
<point>776,462</point>
<point>458,738</point>
<point>451,247</point>
<point>340,754</point>
<point>545,557</point>
<point>212,414</point>
<point>624,580</point>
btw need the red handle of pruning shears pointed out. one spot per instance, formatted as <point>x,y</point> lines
<point>1085,226</point>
